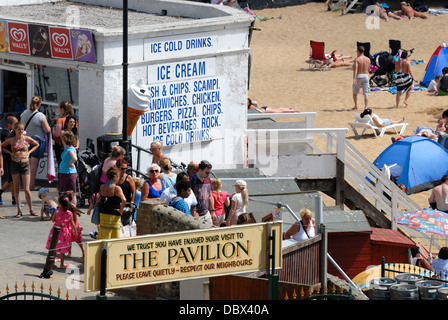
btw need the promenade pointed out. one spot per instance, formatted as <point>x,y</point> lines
<point>23,254</point>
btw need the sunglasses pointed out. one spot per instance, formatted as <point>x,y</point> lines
<point>123,168</point>
<point>153,171</point>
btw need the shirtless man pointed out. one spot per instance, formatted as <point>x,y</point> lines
<point>438,195</point>
<point>411,13</point>
<point>361,77</point>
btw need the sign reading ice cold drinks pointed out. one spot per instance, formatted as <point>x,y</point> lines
<point>186,103</point>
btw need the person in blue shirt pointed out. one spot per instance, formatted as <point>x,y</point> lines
<point>183,191</point>
<point>67,168</point>
<point>138,195</point>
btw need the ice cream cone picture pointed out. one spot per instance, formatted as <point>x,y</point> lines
<point>139,99</point>
<point>83,46</point>
<point>3,33</point>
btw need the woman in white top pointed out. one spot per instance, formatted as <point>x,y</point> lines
<point>302,230</point>
<point>379,122</point>
<point>239,202</point>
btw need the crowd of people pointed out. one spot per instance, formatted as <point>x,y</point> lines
<point>406,11</point>
<point>26,139</point>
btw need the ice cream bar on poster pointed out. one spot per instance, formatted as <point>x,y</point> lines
<point>73,44</point>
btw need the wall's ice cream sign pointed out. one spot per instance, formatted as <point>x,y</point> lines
<point>60,43</point>
<point>3,36</point>
<point>18,38</point>
<point>47,41</point>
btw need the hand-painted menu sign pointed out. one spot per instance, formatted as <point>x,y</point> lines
<point>46,41</point>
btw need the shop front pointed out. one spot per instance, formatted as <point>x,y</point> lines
<point>193,58</point>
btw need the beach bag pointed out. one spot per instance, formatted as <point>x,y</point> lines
<point>95,215</point>
<point>129,230</point>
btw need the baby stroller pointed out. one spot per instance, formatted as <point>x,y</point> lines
<point>383,63</point>
<point>89,169</point>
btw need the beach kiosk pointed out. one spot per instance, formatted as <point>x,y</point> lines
<point>192,59</point>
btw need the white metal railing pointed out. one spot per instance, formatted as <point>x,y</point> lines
<point>368,180</point>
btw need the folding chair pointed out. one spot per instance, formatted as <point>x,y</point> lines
<point>317,56</point>
<point>366,46</point>
<point>394,46</point>
<point>367,123</point>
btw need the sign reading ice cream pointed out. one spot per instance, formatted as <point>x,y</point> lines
<point>47,41</point>
<point>186,103</point>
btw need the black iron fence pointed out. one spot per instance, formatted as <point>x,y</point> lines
<point>391,270</point>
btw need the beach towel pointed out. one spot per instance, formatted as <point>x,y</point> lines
<point>393,90</point>
<point>51,173</point>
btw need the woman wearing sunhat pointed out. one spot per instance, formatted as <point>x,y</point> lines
<point>239,202</point>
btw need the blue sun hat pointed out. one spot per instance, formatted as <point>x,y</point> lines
<point>42,191</point>
<point>384,5</point>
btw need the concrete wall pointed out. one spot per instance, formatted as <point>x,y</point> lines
<point>229,57</point>
<point>19,2</point>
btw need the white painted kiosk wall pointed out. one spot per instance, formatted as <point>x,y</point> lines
<point>196,67</point>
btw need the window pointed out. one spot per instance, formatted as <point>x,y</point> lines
<point>56,84</point>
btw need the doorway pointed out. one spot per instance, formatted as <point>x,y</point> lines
<point>14,91</point>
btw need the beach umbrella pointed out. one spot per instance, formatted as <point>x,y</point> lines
<point>429,221</point>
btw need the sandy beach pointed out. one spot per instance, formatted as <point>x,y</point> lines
<point>280,77</point>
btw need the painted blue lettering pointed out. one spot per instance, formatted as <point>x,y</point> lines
<point>211,109</point>
<point>190,69</point>
<point>156,47</point>
<point>210,122</point>
<point>163,73</point>
<point>173,46</point>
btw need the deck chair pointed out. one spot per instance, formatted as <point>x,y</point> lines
<point>366,46</point>
<point>317,55</point>
<point>367,123</point>
<point>394,46</point>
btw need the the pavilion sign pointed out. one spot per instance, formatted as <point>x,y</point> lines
<point>185,255</point>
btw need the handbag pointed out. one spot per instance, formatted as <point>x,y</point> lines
<point>95,215</point>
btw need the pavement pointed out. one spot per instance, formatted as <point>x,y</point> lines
<point>23,254</point>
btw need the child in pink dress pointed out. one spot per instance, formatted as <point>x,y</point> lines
<point>76,236</point>
<point>63,218</point>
